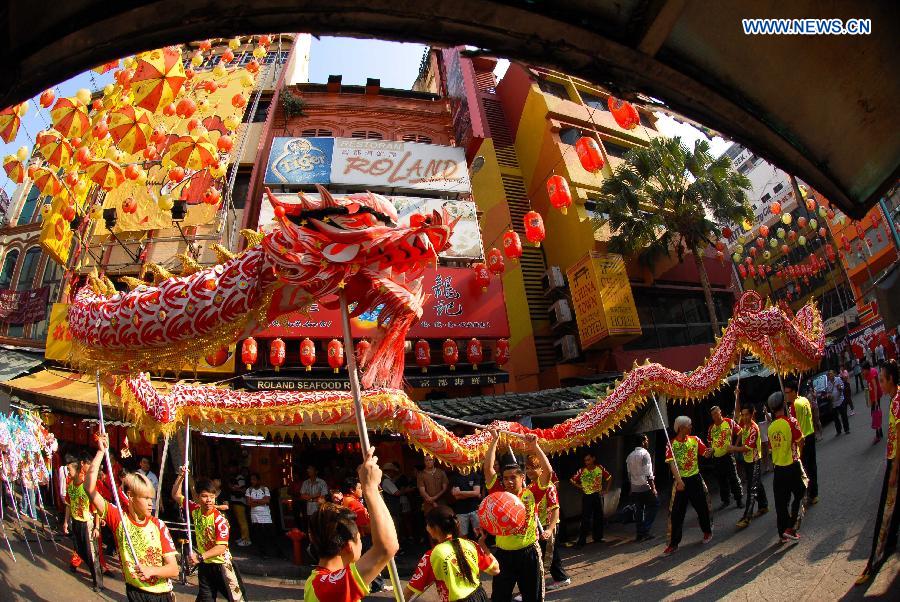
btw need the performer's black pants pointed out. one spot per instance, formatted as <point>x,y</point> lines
<point>788,481</point>
<point>808,458</point>
<point>134,594</point>
<point>218,578</point>
<point>840,417</point>
<point>519,567</point>
<point>591,517</point>
<point>753,478</point>
<point>891,542</point>
<point>555,565</point>
<point>81,535</point>
<point>696,493</point>
<point>726,474</point>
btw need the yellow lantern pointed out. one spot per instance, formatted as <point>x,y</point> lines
<point>203,105</point>
<point>259,52</point>
<point>746,225</point>
<point>786,219</point>
<point>247,80</point>
<point>108,90</point>
<point>23,152</point>
<point>84,96</point>
<point>142,177</point>
<point>219,70</point>
<point>22,109</point>
<point>165,202</point>
<point>229,122</point>
<point>197,59</point>
<point>234,43</point>
<point>97,211</point>
<point>219,171</point>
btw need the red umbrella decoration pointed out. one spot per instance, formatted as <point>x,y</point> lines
<point>10,119</point>
<point>191,152</point>
<point>54,148</point>
<point>14,169</point>
<point>106,174</point>
<point>70,118</point>
<point>46,181</point>
<point>130,128</point>
<point>158,78</point>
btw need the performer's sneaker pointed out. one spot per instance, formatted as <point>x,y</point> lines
<point>760,512</point>
<point>554,585</point>
<point>791,535</point>
<point>669,550</point>
<point>743,523</point>
<point>707,537</point>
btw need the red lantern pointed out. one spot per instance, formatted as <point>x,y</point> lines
<point>720,246</point>
<point>423,355</point>
<point>482,276</point>
<point>176,174</point>
<point>224,144</point>
<point>764,231</point>
<point>589,154</point>
<point>211,196</point>
<point>238,101</point>
<point>727,233</point>
<point>83,155</point>
<point>307,353</point>
<point>623,112</point>
<point>502,352</point>
<point>830,214</point>
<point>512,245</point>
<point>784,249</point>
<point>169,109</point>
<point>558,191</point>
<point>68,213</point>
<point>760,242</point>
<point>217,357</point>
<point>277,354</point>
<point>129,205</point>
<point>810,204</point>
<point>801,222</point>
<point>753,251</point>
<point>132,171</point>
<point>362,350</point>
<point>775,207</point>
<point>227,56</point>
<point>450,353</point>
<point>822,232</point>
<point>47,98</point>
<point>100,131</point>
<point>534,228</point>
<point>249,352</point>
<point>335,355</point>
<point>185,108</point>
<point>495,261</point>
<point>474,353</point>
<point>742,270</point>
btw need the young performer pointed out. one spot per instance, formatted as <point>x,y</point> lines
<point>216,572</point>
<point>721,437</point>
<point>78,510</point>
<point>147,578</point>
<point>593,481</point>
<point>548,517</point>
<point>887,522</point>
<point>684,461</point>
<point>519,555</point>
<point>789,479</point>
<point>344,572</point>
<point>454,563</point>
<point>803,412</point>
<point>751,462</point>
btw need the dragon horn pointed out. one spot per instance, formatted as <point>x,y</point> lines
<point>252,237</point>
<point>328,201</point>
<point>189,265</point>
<point>131,282</point>
<point>159,272</point>
<point>289,208</point>
<point>222,254</point>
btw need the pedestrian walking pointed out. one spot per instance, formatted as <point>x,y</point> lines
<point>547,500</point>
<point>593,480</point>
<point>262,530</point>
<point>838,402</point>
<point>454,564</point>
<point>216,573</point>
<point>148,578</point>
<point>643,488</point>
<point>887,519</point>
<point>801,410</point>
<point>879,354</point>
<point>848,393</point>
<point>856,368</point>
<point>344,571</point>
<point>721,438</point>
<point>683,457</point>
<point>789,482</point>
<point>751,463</point>
<point>518,555</point>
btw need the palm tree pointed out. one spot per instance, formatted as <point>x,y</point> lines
<point>667,198</point>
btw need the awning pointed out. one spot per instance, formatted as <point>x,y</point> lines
<point>14,362</point>
<point>60,389</point>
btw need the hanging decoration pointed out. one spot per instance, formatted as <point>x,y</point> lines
<point>307,353</point>
<point>502,356</point>
<point>277,353</point>
<point>512,245</point>
<point>474,353</point>
<point>625,114</point>
<point>558,191</point>
<point>423,355</point>
<point>450,353</point>
<point>589,154</point>
<point>482,276</point>
<point>335,355</point>
<point>249,352</point>
<point>534,228</point>
<point>495,262</point>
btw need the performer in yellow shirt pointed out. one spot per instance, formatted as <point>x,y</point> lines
<point>593,481</point>
<point>806,415</point>
<point>789,479</point>
<point>722,432</point>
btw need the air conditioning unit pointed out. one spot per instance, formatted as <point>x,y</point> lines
<point>560,313</point>
<point>566,348</point>
<point>553,280</point>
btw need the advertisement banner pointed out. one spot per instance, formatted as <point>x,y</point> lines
<point>456,307</point>
<point>24,307</point>
<point>300,161</point>
<point>399,165</point>
<point>602,299</point>
<point>464,244</point>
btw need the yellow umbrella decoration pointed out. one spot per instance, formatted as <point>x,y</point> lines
<point>47,181</point>
<point>191,152</point>
<point>54,148</point>
<point>10,119</point>
<point>130,128</point>
<point>105,173</point>
<point>14,169</point>
<point>158,78</point>
<point>70,117</point>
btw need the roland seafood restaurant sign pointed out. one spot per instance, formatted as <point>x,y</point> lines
<point>455,307</point>
<point>371,163</point>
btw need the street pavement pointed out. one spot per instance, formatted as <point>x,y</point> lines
<point>737,565</point>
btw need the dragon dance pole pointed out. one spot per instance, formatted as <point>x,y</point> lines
<point>3,528</point>
<point>112,478</point>
<point>361,420</point>
<point>40,499</point>
<point>162,468</point>
<point>665,432</point>
<point>26,504</point>
<point>187,487</point>
<point>12,499</point>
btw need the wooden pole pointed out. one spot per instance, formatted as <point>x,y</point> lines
<point>162,468</point>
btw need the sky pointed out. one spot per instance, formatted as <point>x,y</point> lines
<point>395,64</point>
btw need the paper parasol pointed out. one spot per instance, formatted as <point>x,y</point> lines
<point>130,128</point>
<point>9,123</point>
<point>191,152</point>
<point>157,79</point>
<point>14,169</point>
<point>105,173</point>
<point>70,118</point>
<point>54,148</point>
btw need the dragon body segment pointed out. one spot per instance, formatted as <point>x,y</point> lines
<point>321,249</point>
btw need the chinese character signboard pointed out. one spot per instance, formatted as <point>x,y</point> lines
<point>464,244</point>
<point>300,161</point>
<point>455,307</point>
<point>602,298</point>
<point>24,307</point>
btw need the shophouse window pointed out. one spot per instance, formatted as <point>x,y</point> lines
<point>29,269</point>
<point>421,138</point>
<point>778,187</point>
<point>26,216</point>
<point>367,135</point>
<point>553,88</point>
<point>570,135</point>
<point>671,318</point>
<point>594,101</point>
<point>316,133</point>
<point>262,109</point>
<point>9,266</point>
<point>52,277</point>
<point>615,150</point>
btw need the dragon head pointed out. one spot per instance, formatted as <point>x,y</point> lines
<point>355,244</point>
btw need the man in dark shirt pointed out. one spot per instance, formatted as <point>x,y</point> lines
<point>466,493</point>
